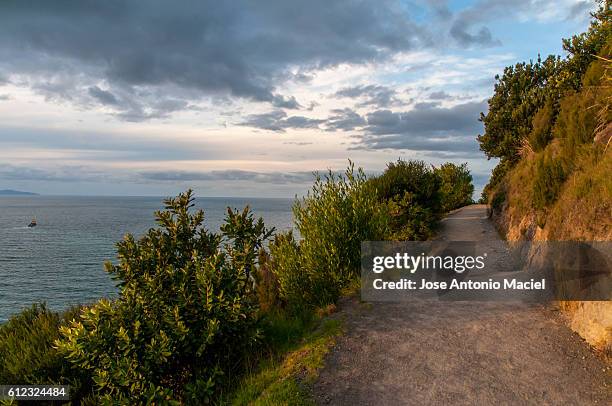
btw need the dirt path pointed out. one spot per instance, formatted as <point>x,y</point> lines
<point>432,352</point>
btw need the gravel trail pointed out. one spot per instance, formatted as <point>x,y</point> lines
<point>453,353</point>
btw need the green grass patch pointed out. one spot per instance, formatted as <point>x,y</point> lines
<point>287,378</point>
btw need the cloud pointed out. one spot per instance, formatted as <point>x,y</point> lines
<point>483,38</point>
<point>278,120</point>
<point>464,28</point>
<point>345,120</point>
<point>105,146</point>
<point>124,56</point>
<point>103,96</point>
<point>580,10</point>
<point>444,132</point>
<point>4,97</point>
<point>230,175</point>
<point>82,173</point>
<point>299,143</point>
<point>441,95</point>
<point>371,95</point>
<point>67,173</point>
<point>285,102</point>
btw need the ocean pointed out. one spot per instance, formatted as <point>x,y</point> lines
<point>60,261</point>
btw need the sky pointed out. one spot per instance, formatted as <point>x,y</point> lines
<point>249,98</point>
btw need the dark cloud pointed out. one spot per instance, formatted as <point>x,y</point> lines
<point>441,95</point>
<point>58,174</point>
<point>81,173</point>
<point>580,10</point>
<point>72,50</point>
<point>444,132</point>
<point>468,28</point>
<point>426,105</point>
<point>285,102</point>
<point>440,8</point>
<point>459,31</point>
<point>427,120</point>
<point>299,143</point>
<point>279,121</point>
<point>91,145</point>
<point>4,97</point>
<point>344,120</point>
<point>371,95</point>
<point>230,175</point>
<point>103,96</point>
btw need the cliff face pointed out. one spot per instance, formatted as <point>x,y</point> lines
<point>550,124</point>
<point>582,212</point>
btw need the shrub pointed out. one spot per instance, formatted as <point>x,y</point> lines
<point>27,355</point>
<point>497,200</point>
<point>456,187</point>
<point>185,314</point>
<point>542,125</point>
<point>411,190</point>
<point>266,283</point>
<point>549,178</point>
<point>336,215</point>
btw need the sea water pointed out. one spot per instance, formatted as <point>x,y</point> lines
<point>60,261</point>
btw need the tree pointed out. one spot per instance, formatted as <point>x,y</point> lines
<point>456,185</point>
<point>185,316</point>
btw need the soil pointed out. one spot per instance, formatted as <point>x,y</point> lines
<point>432,352</point>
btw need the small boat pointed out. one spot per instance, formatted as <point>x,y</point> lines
<point>32,223</point>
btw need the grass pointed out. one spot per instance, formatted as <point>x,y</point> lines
<point>285,378</point>
<point>582,211</point>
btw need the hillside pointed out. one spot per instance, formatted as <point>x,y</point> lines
<point>10,192</point>
<point>549,123</point>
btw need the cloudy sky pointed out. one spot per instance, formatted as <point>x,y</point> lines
<point>247,98</point>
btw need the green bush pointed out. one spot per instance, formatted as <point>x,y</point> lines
<point>333,219</point>
<point>498,199</point>
<point>456,187</point>
<point>185,315</point>
<point>549,177</point>
<point>411,191</point>
<point>542,125</point>
<point>27,355</point>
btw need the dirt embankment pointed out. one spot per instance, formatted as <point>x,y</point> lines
<point>433,352</point>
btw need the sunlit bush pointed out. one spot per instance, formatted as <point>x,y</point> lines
<point>334,218</point>
<point>185,315</point>
<point>411,191</point>
<point>456,186</point>
<point>27,355</point>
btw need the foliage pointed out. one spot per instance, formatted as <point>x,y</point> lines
<point>519,93</point>
<point>549,178</point>
<point>27,355</point>
<point>334,218</point>
<point>282,381</point>
<point>411,191</point>
<point>185,313</point>
<point>524,89</point>
<point>542,125</point>
<point>582,210</point>
<point>456,187</point>
<point>555,99</point>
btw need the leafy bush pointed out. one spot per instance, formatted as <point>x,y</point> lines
<point>456,187</point>
<point>549,178</point>
<point>411,190</point>
<point>27,355</point>
<point>562,97</point>
<point>542,125</point>
<point>185,315</point>
<point>333,219</point>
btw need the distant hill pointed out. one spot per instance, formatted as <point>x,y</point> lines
<point>9,192</point>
